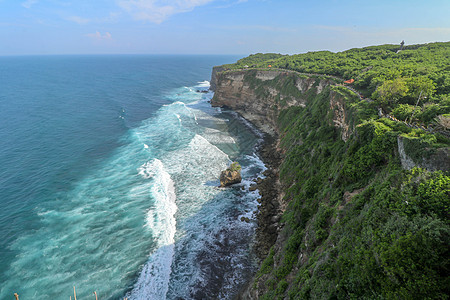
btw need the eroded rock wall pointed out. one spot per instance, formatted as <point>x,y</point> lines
<point>430,159</point>
<point>259,96</point>
<point>213,81</point>
<point>340,118</point>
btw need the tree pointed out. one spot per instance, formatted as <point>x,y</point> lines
<point>391,91</point>
<point>422,85</point>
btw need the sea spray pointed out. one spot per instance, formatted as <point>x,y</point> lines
<point>86,217</point>
<point>153,282</point>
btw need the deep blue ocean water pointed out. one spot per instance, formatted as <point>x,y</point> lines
<point>109,170</point>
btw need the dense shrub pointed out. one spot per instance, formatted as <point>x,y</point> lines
<point>358,226</point>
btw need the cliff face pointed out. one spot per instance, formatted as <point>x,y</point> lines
<point>213,82</point>
<point>435,159</point>
<point>259,96</point>
<point>341,211</point>
<point>340,115</point>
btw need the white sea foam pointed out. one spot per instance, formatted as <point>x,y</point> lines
<point>211,230</point>
<point>216,136</point>
<point>200,159</point>
<point>208,218</point>
<point>182,104</point>
<point>145,171</point>
<point>175,103</point>
<point>249,125</point>
<point>204,84</point>
<point>202,116</point>
<point>178,117</point>
<point>256,163</point>
<point>153,282</point>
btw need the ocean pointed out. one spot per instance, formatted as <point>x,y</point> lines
<point>109,174</point>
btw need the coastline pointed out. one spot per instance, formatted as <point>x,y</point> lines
<point>268,185</point>
<point>269,212</point>
<point>269,209</point>
<point>270,206</point>
<point>359,181</point>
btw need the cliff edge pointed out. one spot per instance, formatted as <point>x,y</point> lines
<point>260,95</point>
<point>335,188</point>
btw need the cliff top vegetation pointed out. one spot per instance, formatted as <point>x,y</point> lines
<point>410,82</point>
<point>357,224</point>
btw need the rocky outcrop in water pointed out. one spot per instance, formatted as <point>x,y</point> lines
<point>231,175</point>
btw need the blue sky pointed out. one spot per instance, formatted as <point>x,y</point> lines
<point>215,26</point>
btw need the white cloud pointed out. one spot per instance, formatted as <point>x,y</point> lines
<point>29,3</point>
<point>78,20</point>
<point>111,18</point>
<point>157,11</point>
<point>98,36</point>
<point>229,4</point>
<point>262,28</point>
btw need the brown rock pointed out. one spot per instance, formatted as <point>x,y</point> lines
<point>253,187</point>
<point>245,219</point>
<point>231,175</point>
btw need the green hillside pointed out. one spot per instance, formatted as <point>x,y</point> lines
<point>358,225</point>
<point>392,77</point>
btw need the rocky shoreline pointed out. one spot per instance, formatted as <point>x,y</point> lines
<point>269,212</point>
<point>270,202</point>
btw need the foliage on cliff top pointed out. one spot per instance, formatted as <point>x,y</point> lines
<point>258,59</point>
<point>357,225</point>
<point>391,76</point>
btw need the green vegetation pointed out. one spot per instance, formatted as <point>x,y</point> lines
<point>235,167</point>
<point>357,225</point>
<point>383,73</point>
<point>255,60</point>
<point>284,83</point>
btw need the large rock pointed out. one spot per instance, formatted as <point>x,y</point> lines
<point>231,175</point>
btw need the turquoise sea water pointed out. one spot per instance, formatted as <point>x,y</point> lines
<point>109,170</point>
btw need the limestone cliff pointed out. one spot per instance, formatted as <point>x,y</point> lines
<point>325,184</point>
<point>342,214</point>
<point>259,95</point>
<point>430,159</point>
<point>213,82</point>
<point>340,115</point>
